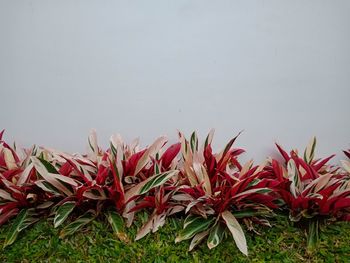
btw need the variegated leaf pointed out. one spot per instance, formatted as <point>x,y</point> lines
<point>93,141</point>
<point>129,216</point>
<point>24,175</point>
<point>151,151</point>
<point>236,231</point>
<point>95,194</point>
<point>81,221</point>
<point>151,182</point>
<point>23,220</point>
<point>194,142</point>
<point>346,165</point>
<point>310,151</point>
<point>9,159</point>
<point>246,168</point>
<point>63,212</point>
<point>228,147</point>
<point>117,224</point>
<point>209,138</point>
<point>319,183</point>
<point>194,225</point>
<point>153,224</point>
<point>216,235</point>
<point>262,190</point>
<point>197,239</point>
<point>202,175</point>
<point>51,176</point>
<point>5,195</point>
<point>293,176</point>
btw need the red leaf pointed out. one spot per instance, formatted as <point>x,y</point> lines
<point>342,203</point>
<point>319,165</point>
<point>283,152</point>
<point>1,134</point>
<point>347,153</point>
<point>4,217</point>
<point>130,164</point>
<point>236,152</point>
<point>66,169</point>
<point>169,155</point>
<point>210,161</point>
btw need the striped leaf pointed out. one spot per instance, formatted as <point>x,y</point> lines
<point>24,219</point>
<point>153,224</point>
<point>346,165</point>
<point>310,151</point>
<point>228,147</point>
<point>117,147</point>
<point>194,142</point>
<point>216,235</point>
<point>63,212</point>
<point>293,175</point>
<point>92,139</point>
<point>78,223</point>
<point>151,182</point>
<point>197,239</point>
<point>9,159</point>
<point>24,175</point>
<point>151,151</point>
<point>49,167</point>
<point>117,224</point>
<point>194,225</point>
<point>236,231</point>
<point>262,190</point>
<point>209,138</point>
<point>61,183</point>
<point>6,196</point>
<point>202,176</point>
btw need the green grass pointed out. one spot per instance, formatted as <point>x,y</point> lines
<point>97,243</point>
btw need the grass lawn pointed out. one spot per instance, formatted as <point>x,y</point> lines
<point>97,243</point>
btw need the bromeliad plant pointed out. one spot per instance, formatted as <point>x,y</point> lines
<point>217,191</point>
<point>312,190</point>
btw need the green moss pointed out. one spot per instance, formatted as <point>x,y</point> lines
<point>97,243</point>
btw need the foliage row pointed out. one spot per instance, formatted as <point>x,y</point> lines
<point>215,191</point>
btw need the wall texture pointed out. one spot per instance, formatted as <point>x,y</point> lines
<point>280,70</point>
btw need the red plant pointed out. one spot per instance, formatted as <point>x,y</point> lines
<point>15,194</point>
<point>312,189</point>
<point>217,186</point>
<point>215,190</point>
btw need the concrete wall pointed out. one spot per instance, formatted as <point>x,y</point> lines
<point>280,70</point>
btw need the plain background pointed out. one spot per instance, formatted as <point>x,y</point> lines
<point>280,70</point>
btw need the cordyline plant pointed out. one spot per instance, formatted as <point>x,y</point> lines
<point>313,191</point>
<point>217,191</point>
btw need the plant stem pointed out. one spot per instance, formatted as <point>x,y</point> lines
<point>313,234</point>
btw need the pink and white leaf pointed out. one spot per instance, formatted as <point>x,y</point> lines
<point>150,152</point>
<point>236,231</point>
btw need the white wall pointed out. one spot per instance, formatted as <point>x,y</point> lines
<point>280,70</point>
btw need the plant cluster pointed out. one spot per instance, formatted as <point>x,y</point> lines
<point>214,191</point>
